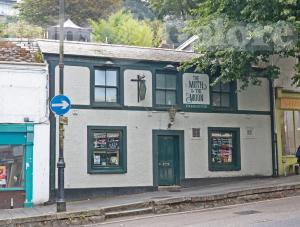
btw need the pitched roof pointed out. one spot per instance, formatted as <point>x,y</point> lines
<point>69,24</point>
<point>115,51</point>
<point>188,42</point>
<point>11,52</point>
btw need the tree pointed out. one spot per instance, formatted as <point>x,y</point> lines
<point>236,35</point>
<point>46,12</point>
<point>179,8</point>
<point>21,29</point>
<point>122,28</point>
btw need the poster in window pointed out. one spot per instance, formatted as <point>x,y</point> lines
<point>100,140</point>
<point>222,150</point>
<point>2,175</point>
<point>196,90</point>
<point>97,159</point>
<point>113,140</point>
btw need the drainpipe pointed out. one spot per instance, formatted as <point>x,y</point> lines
<point>273,127</point>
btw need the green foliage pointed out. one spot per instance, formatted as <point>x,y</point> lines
<point>275,23</point>
<point>46,12</point>
<point>21,29</point>
<point>178,8</point>
<point>2,27</point>
<point>122,28</point>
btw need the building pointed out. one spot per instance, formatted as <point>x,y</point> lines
<point>136,123</point>
<point>24,128</point>
<point>287,116</point>
<point>286,111</point>
<point>7,9</point>
<point>72,32</point>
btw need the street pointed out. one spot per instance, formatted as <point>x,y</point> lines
<point>278,212</point>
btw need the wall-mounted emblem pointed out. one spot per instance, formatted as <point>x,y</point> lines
<point>141,87</point>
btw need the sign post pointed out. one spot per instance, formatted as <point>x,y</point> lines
<point>60,105</point>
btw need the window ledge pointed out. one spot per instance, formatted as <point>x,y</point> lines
<point>107,171</point>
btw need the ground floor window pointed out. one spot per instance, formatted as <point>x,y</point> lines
<point>11,166</point>
<point>290,131</point>
<point>224,149</point>
<point>106,149</point>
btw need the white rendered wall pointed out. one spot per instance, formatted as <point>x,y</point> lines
<point>256,157</point>
<point>256,152</point>
<point>255,98</point>
<point>23,93</point>
<point>130,88</point>
<point>76,84</point>
<point>41,163</point>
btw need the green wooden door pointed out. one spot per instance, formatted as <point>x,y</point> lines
<point>168,163</point>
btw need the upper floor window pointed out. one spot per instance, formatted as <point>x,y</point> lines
<point>166,89</point>
<point>223,96</point>
<point>106,86</point>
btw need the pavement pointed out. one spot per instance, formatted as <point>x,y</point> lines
<point>96,210</point>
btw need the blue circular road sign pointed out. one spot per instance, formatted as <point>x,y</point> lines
<point>60,105</point>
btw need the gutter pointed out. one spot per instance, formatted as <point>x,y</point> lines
<point>273,133</point>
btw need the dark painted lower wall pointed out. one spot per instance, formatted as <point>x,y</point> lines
<point>18,199</point>
<point>193,182</point>
<point>89,193</point>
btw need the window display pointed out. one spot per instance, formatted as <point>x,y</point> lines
<point>290,131</point>
<point>221,148</point>
<point>107,149</point>
<point>224,149</point>
<point>11,166</point>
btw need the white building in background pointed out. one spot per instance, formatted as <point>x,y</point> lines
<point>24,128</point>
<point>7,9</point>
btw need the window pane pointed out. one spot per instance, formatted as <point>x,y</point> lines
<point>11,166</point>
<point>217,87</point>
<point>171,81</point>
<point>297,128</point>
<point>111,95</point>
<point>99,94</point>
<point>113,158</point>
<point>111,78</point>
<point>100,140</point>
<point>225,87</point>
<point>113,140</point>
<point>216,99</point>
<point>100,77</point>
<point>222,148</point>
<point>160,81</point>
<point>160,97</point>
<point>287,133</point>
<point>170,97</point>
<point>225,100</point>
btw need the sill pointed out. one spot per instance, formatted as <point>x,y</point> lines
<point>224,168</point>
<point>107,171</point>
<point>166,108</point>
<point>106,105</point>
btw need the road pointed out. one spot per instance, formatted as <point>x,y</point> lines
<point>283,212</point>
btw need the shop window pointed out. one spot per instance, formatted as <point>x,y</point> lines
<point>223,96</point>
<point>166,89</point>
<point>107,150</point>
<point>106,86</point>
<point>11,166</point>
<point>224,149</point>
<point>290,131</point>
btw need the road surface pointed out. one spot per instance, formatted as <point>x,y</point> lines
<point>283,212</point>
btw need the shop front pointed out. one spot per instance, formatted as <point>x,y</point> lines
<point>16,154</point>
<point>287,128</point>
